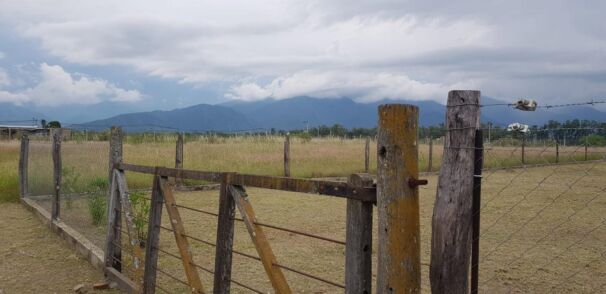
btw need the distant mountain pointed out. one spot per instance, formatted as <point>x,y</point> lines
<point>201,117</point>
<point>296,113</point>
<point>13,114</point>
<point>82,113</point>
<point>293,113</point>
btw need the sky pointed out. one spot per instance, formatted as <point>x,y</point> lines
<point>169,54</point>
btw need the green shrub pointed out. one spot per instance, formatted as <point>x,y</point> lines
<point>97,206</point>
<point>140,209</point>
<point>98,184</point>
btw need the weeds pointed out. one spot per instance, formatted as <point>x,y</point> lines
<point>97,203</point>
<point>140,208</point>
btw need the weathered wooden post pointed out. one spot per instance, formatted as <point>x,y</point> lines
<point>399,262</point>
<point>430,159</point>
<point>523,149</point>
<point>179,157</point>
<point>557,151</point>
<point>585,148</point>
<point>287,156</point>
<point>367,155</point>
<point>113,251</point>
<point>225,238</point>
<point>23,164</point>
<point>153,238</point>
<point>115,149</point>
<point>452,214</point>
<point>358,249</point>
<point>57,167</point>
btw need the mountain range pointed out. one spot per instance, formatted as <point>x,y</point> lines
<point>293,113</point>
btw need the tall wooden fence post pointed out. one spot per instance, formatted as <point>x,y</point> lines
<point>367,155</point>
<point>179,157</point>
<point>399,262</point>
<point>115,149</point>
<point>430,157</point>
<point>523,149</point>
<point>585,148</point>
<point>358,249</point>
<point>113,251</point>
<point>287,156</point>
<point>225,239</point>
<point>557,151</point>
<point>153,238</point>
<point>23,164</point>
<point>57,167</point>
<point>452,214</point>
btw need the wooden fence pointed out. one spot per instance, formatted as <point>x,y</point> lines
<point>394,192</point>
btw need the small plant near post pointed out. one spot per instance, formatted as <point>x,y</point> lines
<point>140,208</point>
<point>97,202</point>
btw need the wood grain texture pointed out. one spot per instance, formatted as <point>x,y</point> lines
<point>179,157</point>
<point>57,167</point>
<point>153,238</point>
<point>131,229</point>
<point>398,269</point>
<point>115,148</point>
<point>320,187</point>
<point>113,253</point>
<point>225,240</point>
<point>358,249</point>
<point>452,214</point>
<point>24,162</point>
<point>191,272</point>
<point>276,277</point>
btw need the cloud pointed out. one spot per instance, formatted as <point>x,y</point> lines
<point>2,54</point>
<point>58,87</point>
<point>362,86</point>
<point>366,49</point>
<point>4,79</point>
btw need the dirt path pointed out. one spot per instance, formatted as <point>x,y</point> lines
<point>34,260</point>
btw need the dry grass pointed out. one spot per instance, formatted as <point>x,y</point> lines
<point>326,157</point>
<point>539,226</point>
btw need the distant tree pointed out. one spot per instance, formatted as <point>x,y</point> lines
<point>53,124</point>
<point>43,123</point>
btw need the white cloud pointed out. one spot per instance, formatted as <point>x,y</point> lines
<point>1,55</point>
<point>362,86</point>
<point>4,79</point>
<point>411,48</point>
<point>58,87</point>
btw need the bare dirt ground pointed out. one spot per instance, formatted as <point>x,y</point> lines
<point>35,260</point>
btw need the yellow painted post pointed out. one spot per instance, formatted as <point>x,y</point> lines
<point>399,262</point>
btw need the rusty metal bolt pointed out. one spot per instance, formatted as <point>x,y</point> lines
<point>413,183</point>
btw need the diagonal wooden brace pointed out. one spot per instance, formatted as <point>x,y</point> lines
<point>276,277</point>
<point>193,278</point>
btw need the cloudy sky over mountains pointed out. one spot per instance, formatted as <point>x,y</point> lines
<point>168,54</point>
